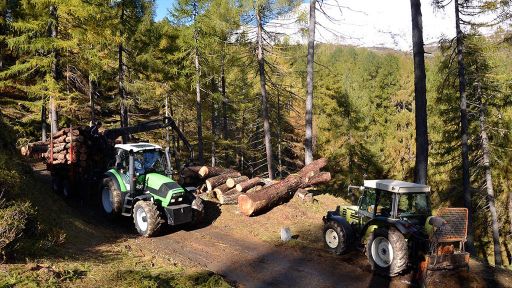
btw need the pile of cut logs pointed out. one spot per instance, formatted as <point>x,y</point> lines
<point>66,146</point>
<point>254,195</point>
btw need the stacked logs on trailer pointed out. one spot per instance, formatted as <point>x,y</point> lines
<point>66,146</point>
<point>253,195</point>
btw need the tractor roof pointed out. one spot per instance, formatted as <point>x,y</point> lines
<point>137,147</point>
<point>396,186</point>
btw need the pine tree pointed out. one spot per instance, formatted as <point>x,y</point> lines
<point>420,92</point>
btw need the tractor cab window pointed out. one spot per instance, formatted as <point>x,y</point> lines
<point>384,201</point>
<point>367,201</point>
<point>413,204</point>
<point>148,161</point>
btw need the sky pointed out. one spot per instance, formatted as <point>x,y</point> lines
<point>364,23</point>
<point>161,8</point>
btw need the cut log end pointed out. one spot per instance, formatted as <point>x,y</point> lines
<point>245,205</point>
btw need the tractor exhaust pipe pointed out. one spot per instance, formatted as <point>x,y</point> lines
<point>131,172</point>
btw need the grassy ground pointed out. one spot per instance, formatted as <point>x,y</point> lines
<point>76,247</point>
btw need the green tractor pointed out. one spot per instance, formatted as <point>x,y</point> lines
<point>393,223</point>
<point>140,185</point>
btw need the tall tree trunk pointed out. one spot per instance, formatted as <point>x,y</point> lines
<point>91,101</point>
<point>488,180</point>
<point>56,73</point>
<point>309,82</point>
<point>224,96</point>
<point>264,101</point>
<point>464,128</point>
<point>43,121</point>
<point>199,120</point>
<point>53,116</point>
<point>279,140</point>
<point>122,73</point>
<point>420,93</point>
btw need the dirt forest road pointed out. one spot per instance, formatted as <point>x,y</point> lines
<point>248,251</point>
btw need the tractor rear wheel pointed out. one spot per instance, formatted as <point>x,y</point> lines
<point>337,237</point>
<point>146,217</point>
<point>387,251</point>
<point>111,198</point>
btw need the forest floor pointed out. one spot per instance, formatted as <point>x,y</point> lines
<point>246,251</point>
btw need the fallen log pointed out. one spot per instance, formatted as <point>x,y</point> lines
<point>192,171</point>
<point>246,185</point>
<point>213,182</point>
<point>206,171</point>
<point>231,196</point>
<point>322,177</point>
<point>270,196</point>
<point>231,182</point>
<point>219,190</point>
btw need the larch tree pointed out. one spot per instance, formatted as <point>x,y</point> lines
<point>188,14</point>
<point>308,158</point>
<point>420,92</point>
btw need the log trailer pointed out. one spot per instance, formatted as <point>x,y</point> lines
<point>393,223</point>
<point>133,179</point>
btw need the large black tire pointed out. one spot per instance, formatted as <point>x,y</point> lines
<point>146,217</point>
<point>387,251</point>
<point>337,236</point>
<point>111,198</point>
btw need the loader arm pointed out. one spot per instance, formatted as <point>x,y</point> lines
<point>149,126</point>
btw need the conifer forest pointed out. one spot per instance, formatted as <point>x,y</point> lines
<point>251,99</point>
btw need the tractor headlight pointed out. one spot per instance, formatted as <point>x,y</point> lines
<point>173,200</point>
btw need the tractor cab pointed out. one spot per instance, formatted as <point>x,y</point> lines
<point>147,158</point>
<point>394,199</point>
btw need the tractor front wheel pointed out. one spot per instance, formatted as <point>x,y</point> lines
<point>387,251</point>
<point>146,217</point>
<point>337,237</point>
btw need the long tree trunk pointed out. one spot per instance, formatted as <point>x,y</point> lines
<point>464,127</point>
<point>488,181</point>
<point>55,66</point>
<point>43,121</point>
<point>420,93</point>
<point>91,101</point>
<point>224,95</point>
<point>199,120</point>
<point>122,73</point>
<point>309,82</point>
<point>264,101</point>
<point>53,116</point>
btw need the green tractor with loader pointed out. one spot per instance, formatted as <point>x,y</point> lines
<point>140,185</point>
<point>393,223</point>
<point>134,180</point>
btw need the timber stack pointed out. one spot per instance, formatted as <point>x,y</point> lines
<point>253,195</point>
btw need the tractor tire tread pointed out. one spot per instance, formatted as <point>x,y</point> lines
<point>153,215</point>
<point>400,251</point>
<point>117,198</point>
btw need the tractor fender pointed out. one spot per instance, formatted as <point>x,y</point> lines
<point>386,222</point>
<point>333,216</point>
<point>116,178</point>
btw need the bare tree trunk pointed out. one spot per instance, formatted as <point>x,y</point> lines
<point>510,212</point>
<point>43,121</point>
<point>420,92</point>
<point>199,120</point>
<point>488,181</point>
<point>53,116</point>
<point>56,73</point>
<point>91,101</point>
<point>122,73</point>
<point>279,141</point>
<point>309,82</point>
<point>264,101</point>
<point>464,128</point>
<point>224,96</point>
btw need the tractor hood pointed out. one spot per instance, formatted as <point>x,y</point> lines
<point>164,189</point>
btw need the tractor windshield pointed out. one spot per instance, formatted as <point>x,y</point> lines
<point>148,161</point>
<point>413,204</point>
